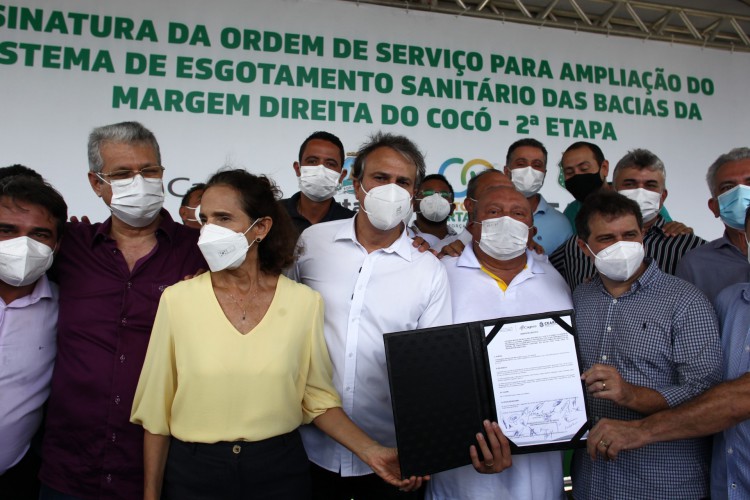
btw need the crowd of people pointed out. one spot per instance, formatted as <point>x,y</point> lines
<point>239,354</point>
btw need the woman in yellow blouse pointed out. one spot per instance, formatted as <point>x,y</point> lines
<point>237,361</point>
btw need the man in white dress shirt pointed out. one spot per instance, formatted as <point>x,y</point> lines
<point>373,281</point>
<point>497,276</point>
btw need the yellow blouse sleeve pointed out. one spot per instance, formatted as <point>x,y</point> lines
<point>158,381</point>
<point>319,392</point>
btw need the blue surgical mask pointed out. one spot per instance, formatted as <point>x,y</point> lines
<point>733,205</point>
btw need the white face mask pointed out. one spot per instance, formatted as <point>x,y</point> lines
<point>136,201</point>
<point>318,182</point>
<point>196,212</point>
<point>223,248</point>
<point>527,180</point>
<point>619,261</point>
<point>386,206</point>
<point>435,208</point>
<point>648,201</point>
<point>23,260</point>
<point>503,238</point>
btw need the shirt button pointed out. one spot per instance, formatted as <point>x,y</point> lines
<point>351,354</point>
<point>747,348</point>
<point>614,301</point>
<point>114,437</point>
<point>604,357</point>
<point>609,328</point>
<point>730,451</point>
<point>734,485</point>
<point>109,478</point>
<point>349,389</point>
<point>117,400</point>
<point>122,358</point>
<point>236,449</point>
<point>124,321</point>
<point>130,284</point>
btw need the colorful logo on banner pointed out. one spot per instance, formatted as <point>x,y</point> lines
<point>460,178</point>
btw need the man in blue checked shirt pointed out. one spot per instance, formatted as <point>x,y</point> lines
<point>725,407</point>
<point>649,341</point>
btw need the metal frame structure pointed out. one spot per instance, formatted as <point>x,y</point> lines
<point>632,18</point>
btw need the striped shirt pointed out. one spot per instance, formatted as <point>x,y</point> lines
<point>661,334</point>
<point>576,267</point>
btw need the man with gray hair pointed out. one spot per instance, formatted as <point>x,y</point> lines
<point>110,276</point>
<point>723,262</point>
<point>373,281</point>
<point>641,177</point>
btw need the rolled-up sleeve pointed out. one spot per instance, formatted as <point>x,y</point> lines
<point>696,349</point>
<point>157,384</point>
<point>319,394</point>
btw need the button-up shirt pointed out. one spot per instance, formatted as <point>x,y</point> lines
<point>27,355</point>
<point>552,227</point>
<point>335,212</point>
<point>730,466</point>
<point>366,295</point>
<point>714,266</point>
<point>662,334</point>
<point>90,448</point>
<point>476,296</point>
<point>576,267</point>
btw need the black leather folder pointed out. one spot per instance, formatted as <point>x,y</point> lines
<point>441,392</point>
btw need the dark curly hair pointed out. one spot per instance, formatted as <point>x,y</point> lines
<point>259,198</point>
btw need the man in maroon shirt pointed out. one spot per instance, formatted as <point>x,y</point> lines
<point>111,276</point>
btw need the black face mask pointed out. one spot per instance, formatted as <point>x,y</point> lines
<point>582,185</point>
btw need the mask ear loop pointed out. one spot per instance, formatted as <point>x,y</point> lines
<point>258,239</point>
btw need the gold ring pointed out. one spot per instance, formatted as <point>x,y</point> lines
<point>604,443</point>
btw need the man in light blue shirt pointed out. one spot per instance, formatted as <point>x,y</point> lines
<point>526,165</point>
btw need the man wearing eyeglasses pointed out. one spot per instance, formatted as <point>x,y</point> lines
<point>433,205</point>
<point>110,276</point>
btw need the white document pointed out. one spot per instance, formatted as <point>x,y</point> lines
<point>536,381</point>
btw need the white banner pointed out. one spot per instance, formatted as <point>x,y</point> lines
<point>242,83</point>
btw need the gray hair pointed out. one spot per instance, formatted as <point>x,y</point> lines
<point>734,155</point>
<point>398,143</point>
<point>123,132</point>
<point>640,159</point>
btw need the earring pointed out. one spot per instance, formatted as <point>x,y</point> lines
<point>258,239</point>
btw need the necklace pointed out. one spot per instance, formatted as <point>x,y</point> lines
<point>240,304</point>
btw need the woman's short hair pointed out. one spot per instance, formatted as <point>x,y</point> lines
<point>259,198</point>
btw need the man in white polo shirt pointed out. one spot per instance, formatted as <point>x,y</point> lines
<point>497,276</point>
<point>373,281</point>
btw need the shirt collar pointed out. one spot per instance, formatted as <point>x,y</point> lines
<point>469,259</point>
<point>42,290</point>
<point>724,241</point>
<point>543,206</point>
<point>167,227</point>
<point>402,246</point>
<point>658,225</point>
<point>292,205</point>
